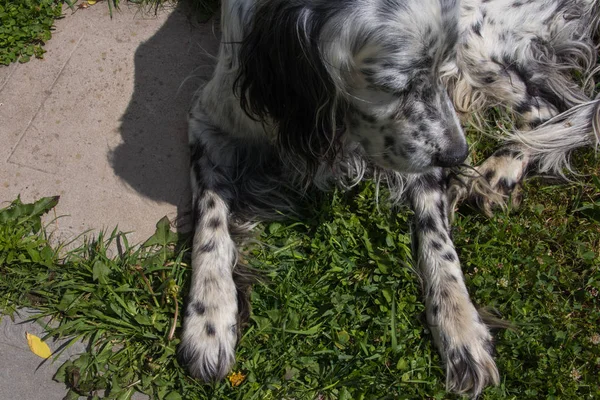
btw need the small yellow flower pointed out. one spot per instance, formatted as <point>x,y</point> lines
<point>236,378</point>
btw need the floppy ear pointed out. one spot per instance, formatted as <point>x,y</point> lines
<point>283,78</point>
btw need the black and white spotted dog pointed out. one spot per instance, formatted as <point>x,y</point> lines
<point>322,92</point>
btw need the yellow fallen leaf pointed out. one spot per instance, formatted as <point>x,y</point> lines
<point>91,2</point>
<point>38,347</point>
<point>236,378</point>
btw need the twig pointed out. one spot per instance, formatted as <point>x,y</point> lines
<point>174,324</point>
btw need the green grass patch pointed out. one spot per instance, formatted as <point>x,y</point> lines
<point>341,317</point>
<point>25,25</point>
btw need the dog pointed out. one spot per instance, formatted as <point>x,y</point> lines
<point>330,92</point>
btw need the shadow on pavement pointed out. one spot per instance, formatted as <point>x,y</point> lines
<point>169,68</point>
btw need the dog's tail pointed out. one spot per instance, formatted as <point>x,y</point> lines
<point>551,143</point>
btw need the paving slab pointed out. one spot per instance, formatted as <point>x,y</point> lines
<point>24,375</point>
<point>99,121</point>
<point>5,73</point>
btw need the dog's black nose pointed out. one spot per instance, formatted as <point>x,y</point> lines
<point>452,156</point>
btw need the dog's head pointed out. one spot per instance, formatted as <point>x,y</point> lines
<point>368,71</point>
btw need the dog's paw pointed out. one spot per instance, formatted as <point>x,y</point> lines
<point>495,184</point>
<point>209,337</point>
<point>470,367</point>
<point>466,346</point>
<point>499,181</point>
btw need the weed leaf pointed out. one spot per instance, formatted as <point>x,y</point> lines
<point>163,236</point>
<point>100,272</point>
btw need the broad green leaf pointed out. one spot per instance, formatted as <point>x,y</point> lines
<point>163,235</point>
<point>101,272</point>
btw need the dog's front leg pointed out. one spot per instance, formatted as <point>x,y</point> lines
<point>462,338</point>
<point>210,329</point>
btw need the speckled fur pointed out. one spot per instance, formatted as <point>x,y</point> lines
<point>316,92</point>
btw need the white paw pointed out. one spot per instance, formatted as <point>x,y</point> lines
<point>470,368</point>
<point>468,356</point>
<point>210,334</point>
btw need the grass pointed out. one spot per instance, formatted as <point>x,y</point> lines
<point>341,317</point>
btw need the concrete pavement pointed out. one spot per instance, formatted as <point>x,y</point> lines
<point>99,121</point>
